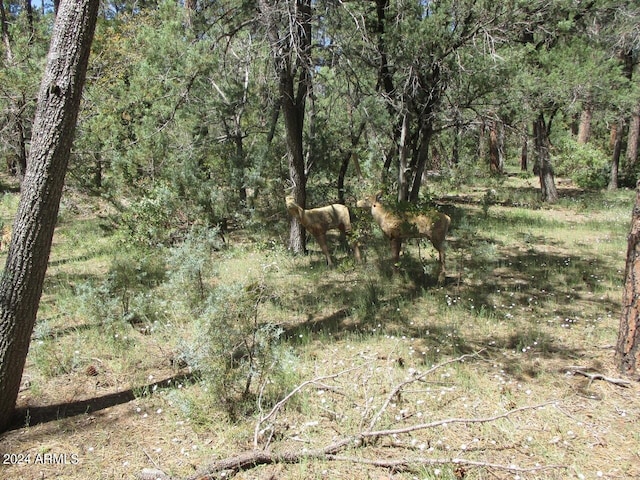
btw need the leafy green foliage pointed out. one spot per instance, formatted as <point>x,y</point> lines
<point>583,163</point>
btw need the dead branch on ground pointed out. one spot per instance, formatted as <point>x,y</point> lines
<point>227,467</point>
<point>598,376</point>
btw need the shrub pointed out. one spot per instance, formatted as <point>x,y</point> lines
<point>240,357</point>
<point>583,163</point>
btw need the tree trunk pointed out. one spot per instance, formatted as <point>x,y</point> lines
<point>632,140</point>
<point>346,158</point>
<point>543,161</point>
<point>628,345</point>
<point>292,65</point>
<point>403,169</point>
<point>584,129</point>
<point>55,120</point>
<point>426,134</point>
<point>615,159</point>
<point>524,152</point>
<point>496,148</point>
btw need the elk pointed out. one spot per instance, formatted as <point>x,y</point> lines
<point>399,226</point>
<point>317,221</point>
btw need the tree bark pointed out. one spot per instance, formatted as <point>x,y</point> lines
<point>628,346</point>
<point>403,169</point>
<point>617,150</point>
<point>633,139</point>
<point>496,147</point>
<point>426,133</point>
<point>524,152</point>
<point>584,128</point>
<point>292,51</point>
<point>543,160</point>
<point>54,125</point>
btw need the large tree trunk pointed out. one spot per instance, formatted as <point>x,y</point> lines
<point>543,161</point>
<point>628,346</point>
<point>55,120</point>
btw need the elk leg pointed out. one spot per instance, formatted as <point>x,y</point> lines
<point>322,241</point>
<point>441,259</point>
<point>396,245</point>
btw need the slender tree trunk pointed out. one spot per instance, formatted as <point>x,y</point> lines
<point>524,152</point>
<point>628,345</point>
<point>403,169</point>
<point>543,161</point>
<point>455,149</point>
<point>55,120</point>
<point>481,150</point>
<point>346,159</point>
<point>617,151</point>
<point>291,52</point>
<point>496,148</point>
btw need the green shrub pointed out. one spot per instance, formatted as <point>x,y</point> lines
<point>583,163</point>
<point>239,356</point>
<point>124,293</point>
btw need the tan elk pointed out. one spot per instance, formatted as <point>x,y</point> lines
<point>399,226</point>
<point>317,221</point>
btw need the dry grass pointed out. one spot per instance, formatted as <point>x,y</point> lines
<point>531,294</point>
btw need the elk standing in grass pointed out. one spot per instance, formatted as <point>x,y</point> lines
<point>317,221</point>
<point>399,226</point>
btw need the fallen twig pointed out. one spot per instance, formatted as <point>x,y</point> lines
<point>409,463</point>
<point>417,378</point>
<point>598,376</point>
<point>281,403</point>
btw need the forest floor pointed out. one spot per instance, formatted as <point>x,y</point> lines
<point>504,372</point>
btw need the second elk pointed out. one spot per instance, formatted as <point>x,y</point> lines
<point>399,226</point>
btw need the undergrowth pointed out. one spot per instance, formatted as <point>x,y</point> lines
<point>528,292</point>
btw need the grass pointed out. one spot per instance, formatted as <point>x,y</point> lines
<point>530,294</point>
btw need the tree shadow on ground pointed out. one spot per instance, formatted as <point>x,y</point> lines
<point>36,415</point>
<point>536,276</point>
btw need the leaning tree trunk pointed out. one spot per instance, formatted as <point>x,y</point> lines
<point>543,161</point>
<point>54,124</point>
<point>628,347</point>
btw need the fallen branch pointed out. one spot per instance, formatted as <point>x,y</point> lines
<point>598,376</point>
<point>398,388</point>
<point>281,403</point>
<point>448,421</point>
<point>251,459</point>
<point>409,464</point>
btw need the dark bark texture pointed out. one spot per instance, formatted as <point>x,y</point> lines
<point>628,347</point>
<point>54,125</point>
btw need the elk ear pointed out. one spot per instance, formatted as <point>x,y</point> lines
<point>378,196</point>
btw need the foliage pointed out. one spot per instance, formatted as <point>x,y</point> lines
<point>239,355</point>
<point>583,163</point>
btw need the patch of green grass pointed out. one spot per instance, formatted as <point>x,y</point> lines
<point>533,290</point>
